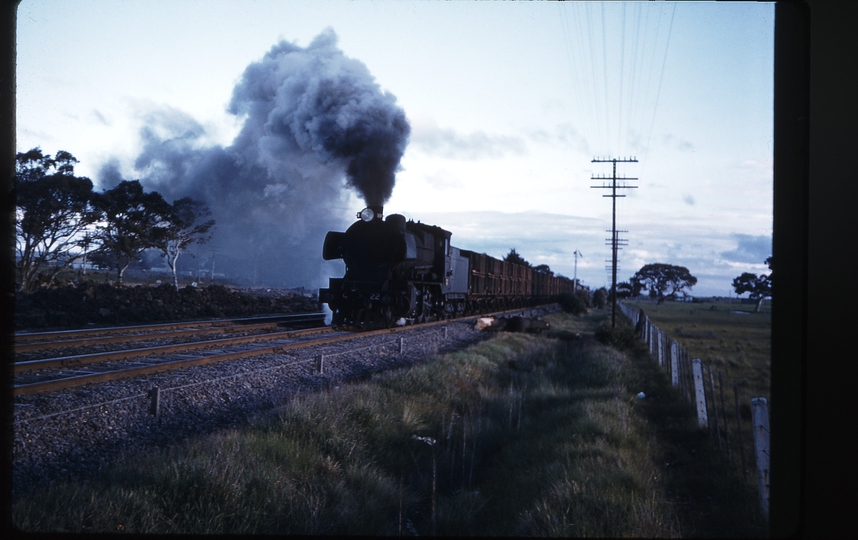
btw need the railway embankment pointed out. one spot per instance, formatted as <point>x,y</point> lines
<point>103,304</point>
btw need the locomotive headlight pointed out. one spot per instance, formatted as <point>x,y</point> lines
<point>366,215</point>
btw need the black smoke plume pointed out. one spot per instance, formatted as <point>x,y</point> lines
<point>314,121</point>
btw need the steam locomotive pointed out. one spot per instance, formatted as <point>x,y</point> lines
<point>400,272</point>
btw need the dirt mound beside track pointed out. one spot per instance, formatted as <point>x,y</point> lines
<point>105,305</point>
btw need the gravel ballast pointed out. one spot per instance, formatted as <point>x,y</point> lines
<point>73,433</point>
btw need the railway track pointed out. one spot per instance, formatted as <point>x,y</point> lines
<point>116,355</point>
<point>253,337</point>
<point>26,341</point>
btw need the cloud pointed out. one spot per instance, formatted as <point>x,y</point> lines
<point>680,144</point>
<point>428,137</point>
<point>100,117</point>
<point>749,249</point>
<point>563,135</point>
<point>689,200</point>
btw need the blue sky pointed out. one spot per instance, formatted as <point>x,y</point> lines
<point>508,103</point>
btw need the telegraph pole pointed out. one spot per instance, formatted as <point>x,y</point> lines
<point>615,240</point>
<point>575,276</point>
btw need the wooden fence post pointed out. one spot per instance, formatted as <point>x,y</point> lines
<point>401,345</point>
<point>760,415</point>
<point>700,393</point>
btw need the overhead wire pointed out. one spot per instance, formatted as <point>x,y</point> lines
<point>622,74</point>
<point>597,104</point>
<point>638,83</point>
<point>605,77</point>
<point>573,41</point>
<point>660,78</point>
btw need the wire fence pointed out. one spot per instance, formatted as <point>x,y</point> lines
<point>738,424</point>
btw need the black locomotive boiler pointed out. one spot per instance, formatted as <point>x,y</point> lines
<point>400,272</point>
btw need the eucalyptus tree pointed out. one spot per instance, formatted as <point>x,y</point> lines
<point>663,280</point>
<point>183,228</point>
<point>759,287</point>
<point>132,221</point>
<point>53,212</point>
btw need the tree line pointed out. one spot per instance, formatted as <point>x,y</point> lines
<point>667,281</point>
<point>59,217</point>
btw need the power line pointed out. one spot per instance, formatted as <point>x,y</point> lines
<point>660,77</point>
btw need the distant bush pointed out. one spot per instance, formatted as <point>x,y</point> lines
<point>572,303</point>
<point>622,336</point>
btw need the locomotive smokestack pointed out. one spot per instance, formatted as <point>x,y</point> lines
<point>378,209</point>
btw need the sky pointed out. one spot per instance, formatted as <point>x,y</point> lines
<point>495,111</point>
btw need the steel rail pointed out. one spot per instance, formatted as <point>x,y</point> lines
<point>45,345</point>
<point>68,382</point>
<point>64,361</point>
<point>33,336</point>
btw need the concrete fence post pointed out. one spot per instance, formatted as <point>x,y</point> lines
<point>321,364</point>
<point>401,345</point>
<point>645,330</point>
<point>445,332</point>
<point>760,415</point>
<point>674,363</point>
<point>649,334</point>
<point>700,393</point>
<point>655,342</point>
<point>714,405</point>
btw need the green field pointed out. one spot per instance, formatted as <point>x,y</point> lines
<point>530,436</point>
<point>727,336</point>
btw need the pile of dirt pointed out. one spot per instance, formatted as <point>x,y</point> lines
<point>104,304</point>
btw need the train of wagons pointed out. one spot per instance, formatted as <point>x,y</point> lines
<point>400,272</point>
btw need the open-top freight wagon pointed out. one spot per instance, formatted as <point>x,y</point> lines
<point>400,271</point>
